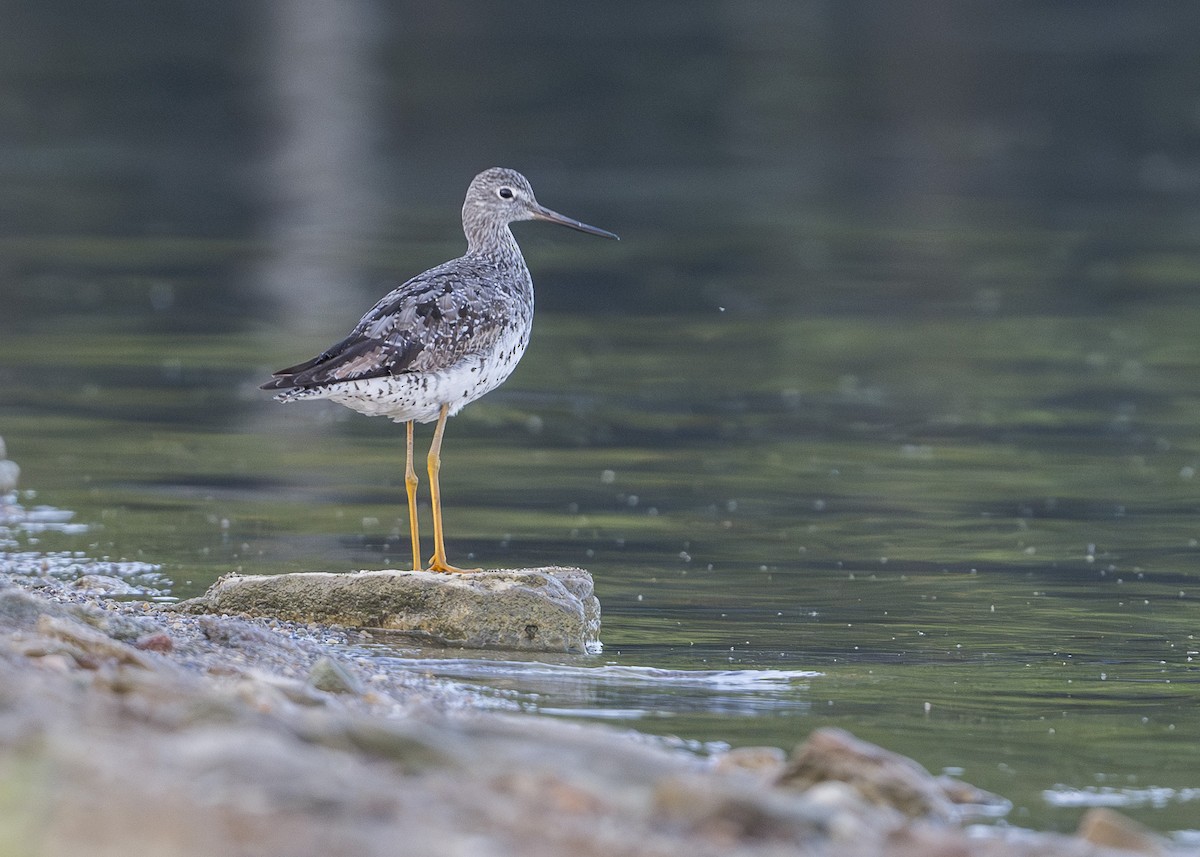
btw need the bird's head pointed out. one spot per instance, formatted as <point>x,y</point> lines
<point>500,196</point>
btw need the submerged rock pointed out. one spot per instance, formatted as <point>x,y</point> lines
<point>536,609</point>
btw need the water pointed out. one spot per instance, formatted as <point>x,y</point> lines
<point>863,423</point>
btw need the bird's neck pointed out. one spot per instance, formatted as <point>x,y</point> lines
<point>493,240</point>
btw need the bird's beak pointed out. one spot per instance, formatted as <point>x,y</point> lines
<point>540,213</point>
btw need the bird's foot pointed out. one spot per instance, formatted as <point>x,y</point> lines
<point>442,567</point>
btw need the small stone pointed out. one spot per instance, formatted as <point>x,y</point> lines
<point>333,677</point>
<point>240,634</point>
<point>555,793</point>
<point>925,840</point>
<point>764,762</point>
<point>850,816</point>
<point>127,629</point>
<point>880,776</point>
<point>21,610</point>
<point>266,691</point>
<point>96,647</point>
<point>55,662</point>
<point>103,584</point>
<point>1110,829</point>
<point>156,641</point>
<point>972,800</point>
<point>411,747</point>
<point>718,810</point>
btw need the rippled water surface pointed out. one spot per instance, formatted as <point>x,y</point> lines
<point>974,574</point>
<point>862,423</point>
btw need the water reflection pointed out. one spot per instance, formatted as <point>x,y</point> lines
<point>610,691</point>
<point>321,186</point>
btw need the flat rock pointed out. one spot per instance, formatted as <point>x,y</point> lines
<point>529,609</point>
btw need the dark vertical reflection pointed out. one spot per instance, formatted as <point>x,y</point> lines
<point>320,188</point>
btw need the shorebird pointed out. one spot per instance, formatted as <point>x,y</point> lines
<point>440,340</point>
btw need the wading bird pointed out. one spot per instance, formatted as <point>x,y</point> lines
<point>440,340</point>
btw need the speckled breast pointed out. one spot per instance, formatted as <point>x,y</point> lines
<point>419,396</point>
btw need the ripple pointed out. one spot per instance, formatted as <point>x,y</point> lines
<point>19,531</point>
<point>1157,797</point>
<point>620,692</point>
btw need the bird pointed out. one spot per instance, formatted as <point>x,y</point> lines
<point>440,340</point>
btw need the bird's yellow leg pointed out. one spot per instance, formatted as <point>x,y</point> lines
<point>410,486</point>
<point>438,563</point>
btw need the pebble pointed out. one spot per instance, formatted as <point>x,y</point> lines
<point>332,676</point>
<point>1110,829</point>
<point>765,762</point>
<point>155,641</point>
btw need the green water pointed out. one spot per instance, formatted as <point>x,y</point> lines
<point>983,560</point>
<point>884,413</point>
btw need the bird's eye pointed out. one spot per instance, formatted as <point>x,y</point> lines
<point>505,193</point>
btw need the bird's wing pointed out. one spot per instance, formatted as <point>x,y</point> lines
<point>425,325</point>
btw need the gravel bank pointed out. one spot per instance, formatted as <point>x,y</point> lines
<point>128,727</point>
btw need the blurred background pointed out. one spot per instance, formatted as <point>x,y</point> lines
<point>887,402</point>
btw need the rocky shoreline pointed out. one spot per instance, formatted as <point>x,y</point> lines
<point>133,727</point>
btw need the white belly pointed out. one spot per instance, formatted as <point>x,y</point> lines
<point>420,396</point>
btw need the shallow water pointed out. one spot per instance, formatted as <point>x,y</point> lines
<point>1004,589</point>
<point>862,423</point>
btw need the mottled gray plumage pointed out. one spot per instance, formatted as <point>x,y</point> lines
<point>446,336</point>
<point>442,339</point>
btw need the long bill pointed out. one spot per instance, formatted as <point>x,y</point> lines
<point>542,213</point>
